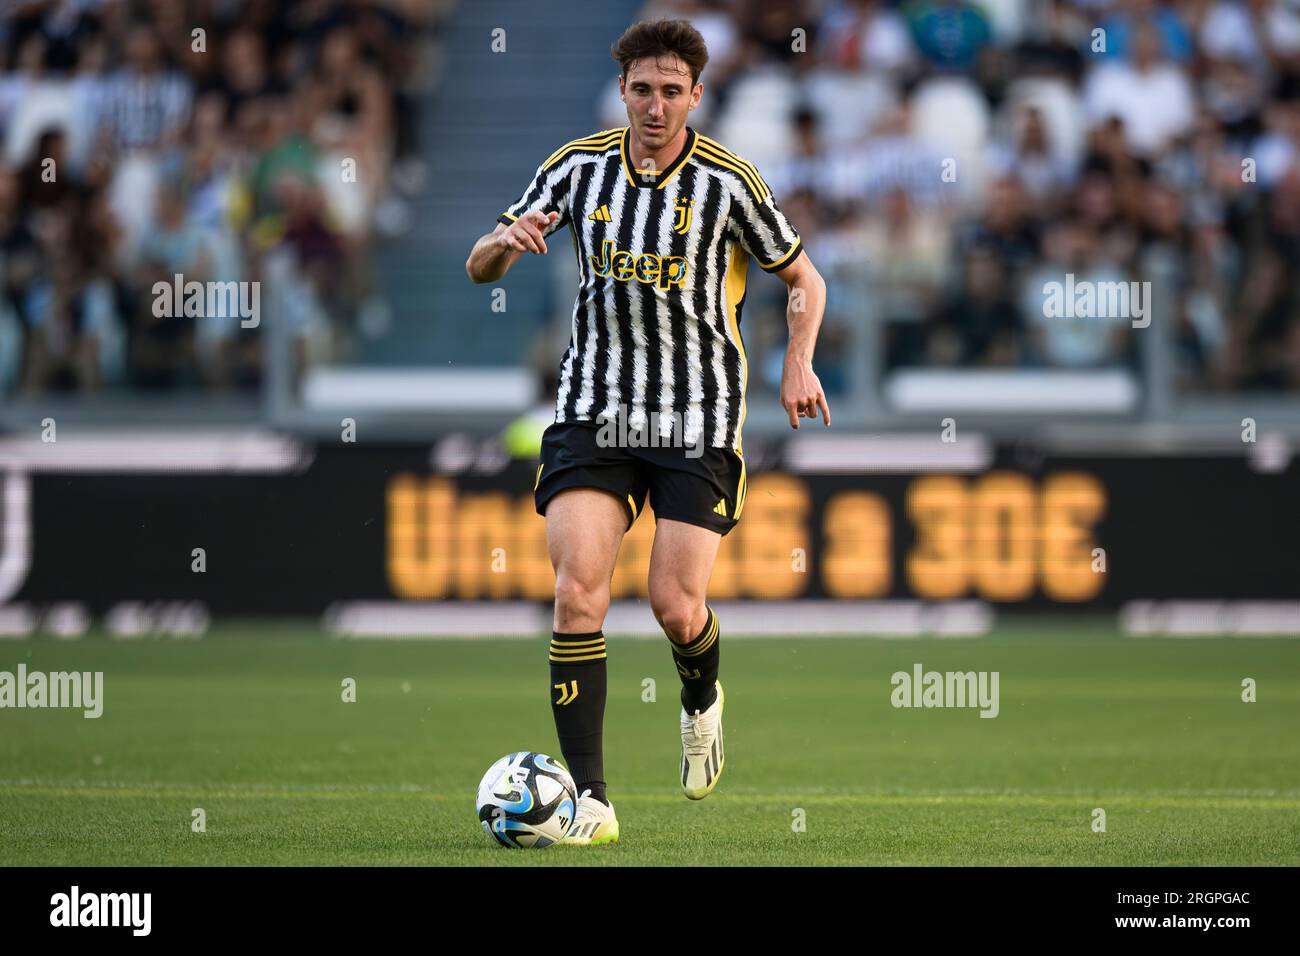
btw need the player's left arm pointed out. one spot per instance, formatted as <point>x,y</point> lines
<point>801,391</point>
<point>765,233</point>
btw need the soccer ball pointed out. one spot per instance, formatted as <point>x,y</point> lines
<point>527,800</point>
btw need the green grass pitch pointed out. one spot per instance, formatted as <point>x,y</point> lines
<point>248,723</point>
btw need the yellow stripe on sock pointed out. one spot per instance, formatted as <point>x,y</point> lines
<point>556,649</point>
<point>710,637</point>
<point>587,643</point>
<point>697,651</point>
<point>558,652</point>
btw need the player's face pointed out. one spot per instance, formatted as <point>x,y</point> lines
<point>658,94</point>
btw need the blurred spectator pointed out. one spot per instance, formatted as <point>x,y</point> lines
<point>892,158</point>
<point>1006,229</point>
<point>907,250</point>
<point>1033,160</point>
<point>808,167</point>
<point>145,103</point>
<point>949,33</point>
<point>137,148</point>
<point>981,324</point>
<point>1073,255</point>
<point>1163,22</point>
<point>1151,97</point>
<point>866,34</point>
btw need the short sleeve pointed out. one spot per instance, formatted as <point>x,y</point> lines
<point>548,192</point>
<point>762,230</point>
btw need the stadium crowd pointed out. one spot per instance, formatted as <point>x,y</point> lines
<point>137,146</point>
<point>958,156</point>
<point>944,160</point>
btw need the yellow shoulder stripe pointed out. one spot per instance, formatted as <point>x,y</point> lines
<point>588,140</point>
<point>597,142</point>
<point>752,184</point>
<point>740,161</point>
<point>736,158</point>
<point>755,182</point>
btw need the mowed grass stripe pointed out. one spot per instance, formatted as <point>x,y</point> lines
<point>248,724</point>
<point>394,831</point>
<point>275,791</point>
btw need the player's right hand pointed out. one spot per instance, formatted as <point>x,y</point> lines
<point>525,234</point>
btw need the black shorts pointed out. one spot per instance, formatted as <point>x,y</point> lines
<point>707,489</point>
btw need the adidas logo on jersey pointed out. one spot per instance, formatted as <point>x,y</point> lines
<point>601,215</point>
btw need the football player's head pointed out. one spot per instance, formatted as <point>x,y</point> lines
<point>662,61</point>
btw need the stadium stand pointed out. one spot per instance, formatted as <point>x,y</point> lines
<point>945,161</point>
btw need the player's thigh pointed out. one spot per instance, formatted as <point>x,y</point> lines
<point>681,563</point>
<point>584,529</point>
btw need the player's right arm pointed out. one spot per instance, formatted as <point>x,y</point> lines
<point>542,209</point>
<point>494,254</point>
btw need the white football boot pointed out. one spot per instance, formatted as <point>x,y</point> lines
<point>702,754</point>
<point>594,823</point>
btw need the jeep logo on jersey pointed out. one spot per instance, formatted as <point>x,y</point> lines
<point>664,271</point>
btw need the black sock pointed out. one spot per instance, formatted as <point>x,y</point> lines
<point>697,663</point>
<point>578,706</point>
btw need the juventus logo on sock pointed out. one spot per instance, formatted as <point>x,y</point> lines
<point>568,692</point>
<point>578,688</point>
<point>697,663</point>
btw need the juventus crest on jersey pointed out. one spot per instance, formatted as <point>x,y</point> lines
<point>662,258</point>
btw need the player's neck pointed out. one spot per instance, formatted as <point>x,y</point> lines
<point>659,159</point>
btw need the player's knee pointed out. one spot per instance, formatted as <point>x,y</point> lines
<point>578,604</point>
<point>678,617</point>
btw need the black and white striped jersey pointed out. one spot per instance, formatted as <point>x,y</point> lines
<point>662,259</point>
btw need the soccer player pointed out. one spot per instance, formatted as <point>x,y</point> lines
<point>664,221</point>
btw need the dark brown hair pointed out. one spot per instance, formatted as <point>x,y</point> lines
<point>658,38</point>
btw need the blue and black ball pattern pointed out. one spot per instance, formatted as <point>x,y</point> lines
<point>515,817</point>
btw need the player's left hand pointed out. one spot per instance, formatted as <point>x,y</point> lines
<point>801,392</point>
